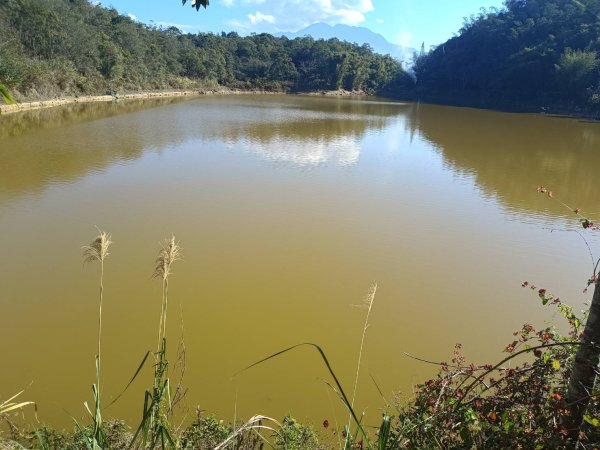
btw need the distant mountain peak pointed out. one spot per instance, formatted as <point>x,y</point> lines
<point>358,35</point>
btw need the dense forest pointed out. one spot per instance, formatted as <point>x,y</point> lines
<point>67,47</point>
<point>530,54</point>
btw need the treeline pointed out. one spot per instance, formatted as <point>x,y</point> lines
<point>57,47</point>
<point>529,54</point>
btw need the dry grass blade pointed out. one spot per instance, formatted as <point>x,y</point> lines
<point>368,302</point>
<point>180,393</point>
<point>254,424</point>
<point>98,249</point>
<point>8,405</point>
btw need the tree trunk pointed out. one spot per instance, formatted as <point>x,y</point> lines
<point>584,370</point>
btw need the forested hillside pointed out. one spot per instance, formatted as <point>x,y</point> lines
<point>529,54</point>
<point>66,47</point>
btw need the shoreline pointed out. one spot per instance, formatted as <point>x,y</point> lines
<point>44,104</point>
<point>51,103</point>
<point>558,111</point>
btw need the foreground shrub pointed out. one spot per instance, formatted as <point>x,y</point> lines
<point>295,436</point>
<point>204,433</point>
<point>517,403</point>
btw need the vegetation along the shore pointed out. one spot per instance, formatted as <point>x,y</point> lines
<point>529,55</point>
<point>81,48</point>
<point>541,395</point>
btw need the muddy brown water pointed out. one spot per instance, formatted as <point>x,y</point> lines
<point>287,208</point>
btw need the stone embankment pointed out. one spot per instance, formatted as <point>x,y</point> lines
<point>7,109</point>
<point>339,93</point>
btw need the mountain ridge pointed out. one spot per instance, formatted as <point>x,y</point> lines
<point>358,35</point>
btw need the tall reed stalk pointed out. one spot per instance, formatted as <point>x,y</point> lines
<point>98,251</point>
<point>155,429</point>
<point>368,302</point>
<point>170,252</point>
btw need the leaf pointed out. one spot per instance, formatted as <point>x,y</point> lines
<point>592,421</point>
<point>331,372</point>
<point>132,379</point>
<point>555,364</point>
<point>384,432</point>
<point>197,3</point>
<point>15,406</point>
<point>6,96</point>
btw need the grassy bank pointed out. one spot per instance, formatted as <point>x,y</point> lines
<point>204,433</point>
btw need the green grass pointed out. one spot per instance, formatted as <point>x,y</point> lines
<point>8,99</point>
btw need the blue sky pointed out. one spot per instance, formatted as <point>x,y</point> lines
<point>405,22</point>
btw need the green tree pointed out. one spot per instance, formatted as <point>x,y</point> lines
<point>577,70</point>
<point>68,47</point>
<point>504,57</point>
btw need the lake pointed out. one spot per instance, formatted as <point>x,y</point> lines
<point>287,208</point>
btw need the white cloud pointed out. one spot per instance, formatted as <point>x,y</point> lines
<point>292,15</point>
<point>227,3</point>
<point>379,20</point>
<point>132,17</point>
<point>366,5</point>
<point>237,24</point>
<point>349,16</point>
<point>340,151</point>
<point>405,39</point>
<point>260,17</point>
<point>181,26</point>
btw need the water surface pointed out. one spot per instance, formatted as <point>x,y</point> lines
<point>288,209</point>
